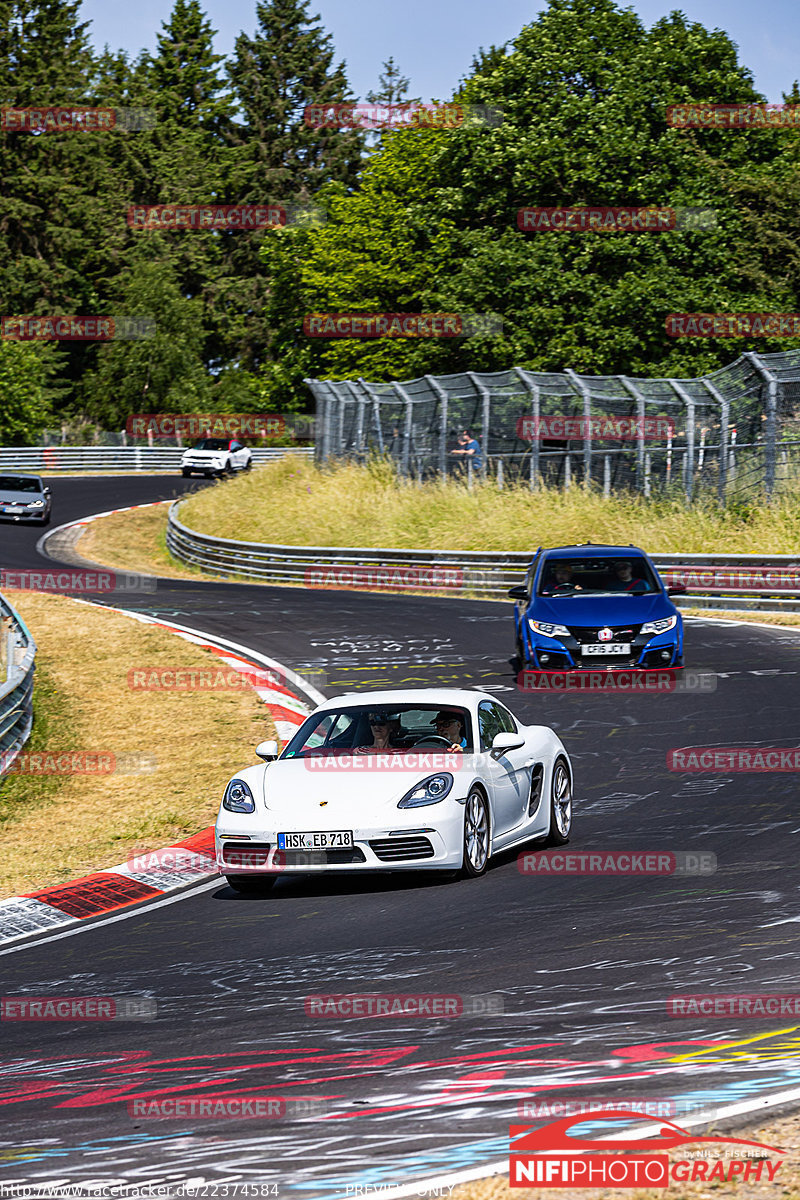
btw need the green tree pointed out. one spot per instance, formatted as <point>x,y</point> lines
<point>392,85</point>
<point>24,370</point>
<point>583,91</point>
<point>287,65</point>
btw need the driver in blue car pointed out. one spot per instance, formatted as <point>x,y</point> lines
<point>450,724</point>
<point>625,581</point>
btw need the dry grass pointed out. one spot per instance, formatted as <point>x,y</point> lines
<point>784,1134</point>
<point>55,829</point>
<point>760,618</point>
<point>295,503</point>
<point>134,541</point>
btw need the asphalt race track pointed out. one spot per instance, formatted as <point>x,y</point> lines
<point>583,965</point>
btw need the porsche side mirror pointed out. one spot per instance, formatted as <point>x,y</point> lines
<point>504,742</point>
<point>518,593</point>
<point>267,750</point>
<point>677,589</point>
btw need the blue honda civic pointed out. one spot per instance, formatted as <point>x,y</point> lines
<point>596,606</point>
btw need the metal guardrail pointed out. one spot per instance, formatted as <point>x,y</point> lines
<point>730,581</point>
<point>17,663</point>
<point>118,458</point>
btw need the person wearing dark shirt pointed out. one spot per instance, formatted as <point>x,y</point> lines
<point>469,448</point>
<point>625,581</point>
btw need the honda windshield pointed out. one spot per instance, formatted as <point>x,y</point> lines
<point>582,576</point>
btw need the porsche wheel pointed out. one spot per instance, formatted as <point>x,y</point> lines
<point>476,834</point>
<point>251,885</point>
<point>560,804</point>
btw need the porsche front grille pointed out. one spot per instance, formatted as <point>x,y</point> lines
<point>401,849</point>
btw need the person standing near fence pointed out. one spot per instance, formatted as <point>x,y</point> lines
<point>469,448</point>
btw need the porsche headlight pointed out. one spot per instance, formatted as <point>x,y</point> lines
<point>238,797</point>
<point>428,791</point>
<point>547,629</point>
<point>660,626</point>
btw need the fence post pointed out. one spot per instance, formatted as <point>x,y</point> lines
<point>533,388</point>
<point>640,415</point>
<point>441,395</point>
<point>771,430</point>
<point>724,412</point>
<point>647,474</point>
<point>409,403</point>
<point>587,418</point>
<point>469,474</point>
<point>607,475</point>
<point>567,473</point>
<point>687,467</point>
<point>499,474</point>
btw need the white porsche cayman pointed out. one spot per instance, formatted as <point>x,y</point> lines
<point>402,780</point>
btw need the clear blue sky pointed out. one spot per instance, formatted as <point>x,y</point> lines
<point>433,41</point>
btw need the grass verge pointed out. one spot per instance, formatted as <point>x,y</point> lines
<point>56,828</point>
<point>295,503</point>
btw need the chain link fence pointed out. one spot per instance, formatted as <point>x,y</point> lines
<point>729,434</point>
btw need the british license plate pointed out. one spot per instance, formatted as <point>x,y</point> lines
<point>14,509</point>
<point>607,648</point>
<point>331,840</point>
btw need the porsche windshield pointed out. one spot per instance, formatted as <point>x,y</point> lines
<point>365,730</point>
<point>19,483</point>
<point>580,576</point>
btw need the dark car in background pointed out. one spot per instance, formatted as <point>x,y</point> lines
<point>592,606</point>
<point>25,498</point>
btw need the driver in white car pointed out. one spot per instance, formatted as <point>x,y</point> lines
<point>450,724</point>
<point>387,732</point>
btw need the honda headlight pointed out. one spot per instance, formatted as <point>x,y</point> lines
<point>660,626</point>
<point>238,797</point>
<point>547,629</point>
<point>429,791</point>
<point>36,504</point>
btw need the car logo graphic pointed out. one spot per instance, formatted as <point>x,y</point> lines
<point>323,803</point>
<point>605,635</point>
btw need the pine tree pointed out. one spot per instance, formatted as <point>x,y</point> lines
<point>287,65</point>
<point>392,86</point>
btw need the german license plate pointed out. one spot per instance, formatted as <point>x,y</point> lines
<point>331,840</point>
<point>606,648</point>
<point>14,509</point>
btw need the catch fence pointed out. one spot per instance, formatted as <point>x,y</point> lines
<point>731,433</point>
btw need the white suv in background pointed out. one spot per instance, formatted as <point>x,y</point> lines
<point>215,456</point>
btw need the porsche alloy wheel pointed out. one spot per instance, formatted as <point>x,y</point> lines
<point>476,833</point>
<point>560,804</point>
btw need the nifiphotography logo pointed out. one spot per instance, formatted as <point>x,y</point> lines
<point>550,1157</point>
